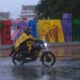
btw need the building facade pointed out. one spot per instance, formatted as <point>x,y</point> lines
<point>4,15</point>
<point>28,11</point>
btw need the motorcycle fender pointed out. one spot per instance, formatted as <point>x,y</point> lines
<point>11,53</point>
<point>12,50</point>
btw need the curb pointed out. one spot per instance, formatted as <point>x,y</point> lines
<point>65,44</point>
<point>3,47</point>
<point>49,44</point>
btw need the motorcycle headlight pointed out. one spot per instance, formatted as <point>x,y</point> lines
<point>45,44</point>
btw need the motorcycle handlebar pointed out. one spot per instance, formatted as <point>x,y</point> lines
<point>39,41</point>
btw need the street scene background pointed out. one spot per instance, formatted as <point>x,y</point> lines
<point>56,22</point>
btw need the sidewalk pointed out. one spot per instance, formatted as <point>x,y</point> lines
<point>61,50</point>
<point>70,50</point>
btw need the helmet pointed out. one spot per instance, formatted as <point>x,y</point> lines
<point>27,30</point>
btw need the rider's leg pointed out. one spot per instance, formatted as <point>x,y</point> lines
<point>24,50</point>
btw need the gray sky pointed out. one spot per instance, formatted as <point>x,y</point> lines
<point>14,6</point>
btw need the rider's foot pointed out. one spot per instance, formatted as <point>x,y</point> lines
<point>28,58</point>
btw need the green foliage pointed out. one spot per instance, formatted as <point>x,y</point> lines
<point>56,8</point>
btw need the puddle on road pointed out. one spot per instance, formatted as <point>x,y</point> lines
<point>40,73</point>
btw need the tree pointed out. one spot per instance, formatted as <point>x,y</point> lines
<point>42,9</point>
<point>56,8</point>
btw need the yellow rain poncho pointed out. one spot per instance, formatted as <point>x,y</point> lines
<point>21,39</point>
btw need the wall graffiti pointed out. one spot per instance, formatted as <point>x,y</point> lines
<point>65,30</point>
<point>50,30</point>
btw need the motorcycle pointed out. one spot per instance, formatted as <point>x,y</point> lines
<point>40,50</point>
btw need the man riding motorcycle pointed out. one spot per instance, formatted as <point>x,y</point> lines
<point>28,49</point>
<point>25,42</point>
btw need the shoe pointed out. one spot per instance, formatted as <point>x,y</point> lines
<point>28,58</point>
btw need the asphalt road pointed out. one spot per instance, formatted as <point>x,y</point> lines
<point>63,69</point>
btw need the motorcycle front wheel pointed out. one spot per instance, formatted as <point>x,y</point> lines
<point>48,59</point>
<point>17,59</point>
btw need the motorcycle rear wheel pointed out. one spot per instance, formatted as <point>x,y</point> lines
<point>17,59</point>
<point>48,59</point>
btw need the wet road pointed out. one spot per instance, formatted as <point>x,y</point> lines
<point>64,69</point>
